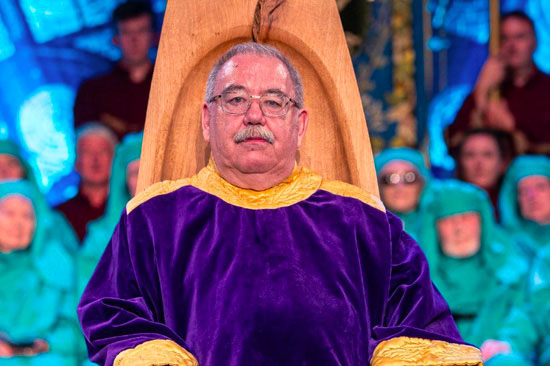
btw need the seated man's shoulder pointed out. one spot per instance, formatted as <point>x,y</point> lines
<point>156,190</point>
<point>343,189</point>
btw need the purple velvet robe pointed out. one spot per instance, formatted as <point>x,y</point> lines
<point>319,282</point>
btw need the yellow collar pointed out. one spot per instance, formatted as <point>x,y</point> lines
<point>301,184</point>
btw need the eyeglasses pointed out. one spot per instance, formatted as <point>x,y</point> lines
<point>393,179</point>
<point>238,102</point>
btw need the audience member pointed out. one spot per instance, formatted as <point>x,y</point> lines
<point>524,89</point>
<point>524,202</point>
<point>122,189</point>
<point>119,99</point>
<point>482,158</point>
<point>475,266</point>
<point>403,179</point>
<point>38,321</point>
<point>525,335</point>
<point>12,164</point>
<point>94,154</point>
<point>14,167</point>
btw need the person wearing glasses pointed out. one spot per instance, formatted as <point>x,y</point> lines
<point>258,261</point>
<point>404,179</point>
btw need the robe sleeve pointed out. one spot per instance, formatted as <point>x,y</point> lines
<point>418,328</point>
<point>120,322</point>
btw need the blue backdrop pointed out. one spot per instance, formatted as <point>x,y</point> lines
<point>47,48</point>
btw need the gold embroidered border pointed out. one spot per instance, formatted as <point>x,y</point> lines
<point>154,190</point>
<point>298,187</point>
<point>349,190</point>
<point>153,353</point>
<point>405,351</point>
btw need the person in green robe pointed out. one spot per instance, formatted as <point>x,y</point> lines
<point>404,180</point>
<point>477,269</point>
<point>524,339</point>
<point>121,189</point>
<point>38,323</point>
<point>14,167</point>
<point>524,202</point>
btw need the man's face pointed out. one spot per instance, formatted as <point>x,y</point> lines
<point>481,162</point>
<point>534,198</point>
<point>517,43</point>
<point>256,75</point>
<point>10,168</point>
<point>135,38</point>
<point>400,186</point>
<point>132,171</point>
<point>94,155</point>
<point>17,223</point>
<point>460,235</point>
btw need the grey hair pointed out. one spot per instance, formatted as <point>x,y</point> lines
<point>98,129</point>
<point>259,50</point>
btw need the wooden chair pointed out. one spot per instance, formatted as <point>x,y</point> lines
<point>196,33</point>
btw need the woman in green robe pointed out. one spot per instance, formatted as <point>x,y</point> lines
<point>526,331</point>
<point>15,168</point>
<point>404,180</point>
<point>475,266</point>
<point>38,324</point>
<point>532,233</point>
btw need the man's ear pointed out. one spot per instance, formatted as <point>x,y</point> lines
<point>303,119</point>
<point>205,122</point>
<point>116,40</point>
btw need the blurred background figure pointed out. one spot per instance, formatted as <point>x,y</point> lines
<point>482,158</point>
<point>122,188</point>
<point>119,99</point>
<point>524,202</point>
<point>404,178</point>
<point>522,111</point>
<point>524,339</point>
<point>12,164</point>
<point>95,145</point>
<point>476,267</point>
<point>37,324</point>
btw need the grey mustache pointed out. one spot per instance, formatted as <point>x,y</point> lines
<point>254,132</point>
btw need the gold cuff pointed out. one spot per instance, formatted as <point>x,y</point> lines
<point>405,351</point>
<point>155,353</point>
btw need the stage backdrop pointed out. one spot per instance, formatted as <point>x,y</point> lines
<point>47,48</point>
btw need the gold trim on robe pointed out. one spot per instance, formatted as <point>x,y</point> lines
<point>154,353</point>
<point>405,351</point>
<point>300,185</point>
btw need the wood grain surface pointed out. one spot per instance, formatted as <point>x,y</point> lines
<point>196,33</point>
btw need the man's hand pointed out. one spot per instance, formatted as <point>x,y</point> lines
<point>492,347</point>
<point>5,350</point>
<point>498,115</point>
<point>491,75</point>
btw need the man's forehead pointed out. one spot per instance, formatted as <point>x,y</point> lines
<point>250,70</point>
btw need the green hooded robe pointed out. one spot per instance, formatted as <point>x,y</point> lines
<point>412,220</point>
<point>37,292</point>
<point>531,235</point>
<point>482,288</point>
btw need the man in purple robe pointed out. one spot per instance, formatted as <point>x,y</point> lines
<point>256,261</point>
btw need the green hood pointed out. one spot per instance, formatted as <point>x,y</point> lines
<point>38,275</point>
<point>538,235</point>
<point>11,148</point>
<point>412,220</point>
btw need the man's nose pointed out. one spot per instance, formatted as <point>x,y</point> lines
<point>254,115</point>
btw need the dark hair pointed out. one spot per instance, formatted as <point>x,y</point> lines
<point>504,140</point>
<point>518,14</point>
<point>132,9</point>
